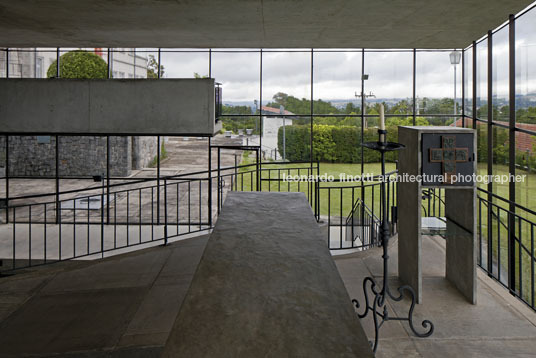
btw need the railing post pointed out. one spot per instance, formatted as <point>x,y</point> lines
<point>102,223</point>
<point>219,179</point>
<point>235,172</point>
<point>158,172</point>
<point>7,179</point>
<point>317,199</point>
<point>165,212</point>
<point>209,183</point>
<point>258,172</point>
<point>57,178</point>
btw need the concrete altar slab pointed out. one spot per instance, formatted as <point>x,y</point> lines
<point>267,286</point>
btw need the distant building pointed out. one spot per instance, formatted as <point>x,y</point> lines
<point>270,129</point>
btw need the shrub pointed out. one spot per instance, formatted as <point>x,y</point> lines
<point>79,64</point>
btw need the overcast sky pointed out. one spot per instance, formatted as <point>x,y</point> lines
<point>337,74</point>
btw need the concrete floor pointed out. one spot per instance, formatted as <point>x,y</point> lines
<point>122,306</point>
<point>125,306</point>
<point>498,326</point>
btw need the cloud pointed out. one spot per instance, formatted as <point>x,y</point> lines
<point>337,75</point>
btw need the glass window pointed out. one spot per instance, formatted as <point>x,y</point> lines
<point>286,82</point>
<point>500,77</point>
<point>526,70</point>
<point>482,80</point>
<point>390,80</point>
<point>468,84</point>
<point>337,82</point>
<point>184,64</point>
<point>239,75</point>
<point>436,78</point>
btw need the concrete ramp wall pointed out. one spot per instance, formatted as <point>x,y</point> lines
<point>135,107</point>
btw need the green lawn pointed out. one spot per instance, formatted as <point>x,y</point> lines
<point>332,194</point>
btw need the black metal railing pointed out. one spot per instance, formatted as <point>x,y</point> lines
<point>506,244</point>
<point>86,224</point>
<point>362,226</point>
<point>505,240</point>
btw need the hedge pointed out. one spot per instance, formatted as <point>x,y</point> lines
<point>332,144</point>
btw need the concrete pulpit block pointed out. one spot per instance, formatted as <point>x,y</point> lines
<point>438,157</point>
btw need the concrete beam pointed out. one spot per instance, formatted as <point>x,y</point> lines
<point>137,107</point>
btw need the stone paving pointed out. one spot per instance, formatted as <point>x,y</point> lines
<point>125,306</point>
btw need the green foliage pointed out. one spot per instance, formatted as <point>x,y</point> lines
<point>297,142</point>
<point>303,106</point>
<point>79,64</point>
<point>332,144</point>
<point>163,155</point>
<point>233,124</point>
<point>152,68</point>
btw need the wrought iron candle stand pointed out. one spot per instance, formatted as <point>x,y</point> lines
<point>379,304</point>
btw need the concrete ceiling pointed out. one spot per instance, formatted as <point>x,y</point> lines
<point>251,23</point>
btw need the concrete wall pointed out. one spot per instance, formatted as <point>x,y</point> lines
<point>144,149</point>
<point>165,106</point>
<point>78,156</point>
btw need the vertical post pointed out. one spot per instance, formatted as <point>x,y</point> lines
<point>57,178</point>
<point>311,117</point>
<point>7,179</point>
<point>158,180</point>
<point>512,153</point>
<point>490,140</point>
<point>165,212</point>
<point>235,172</point>
<point>107,179</point>
<point>463,88</point>
<point>209,63</point>
<point>209,182</point>
<point>7,62</point>
<point>109,64</point>
<point>260,106</point>
<point>474,85</point>
<point>414,86</point>
<point>209,155</point>
<point>362,133</point>
<point>159,74</point>
<point>455,95</point>
<point>134,53</point>
<point>58,62</point>
<point>219,179</point>
<point>258,181</point>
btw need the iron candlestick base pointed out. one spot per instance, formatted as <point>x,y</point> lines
<point>377,304</point>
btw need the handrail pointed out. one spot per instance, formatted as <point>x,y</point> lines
<point>508,201</point>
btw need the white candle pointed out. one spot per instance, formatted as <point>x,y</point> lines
<point>382,117</point>
<point>382,123</point>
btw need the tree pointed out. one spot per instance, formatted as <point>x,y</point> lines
<point>79,64</point>
<point>198,76</point>
<point>280,98</point>
<point>152,68</point>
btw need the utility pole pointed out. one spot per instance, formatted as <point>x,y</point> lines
<point>365,96</point>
